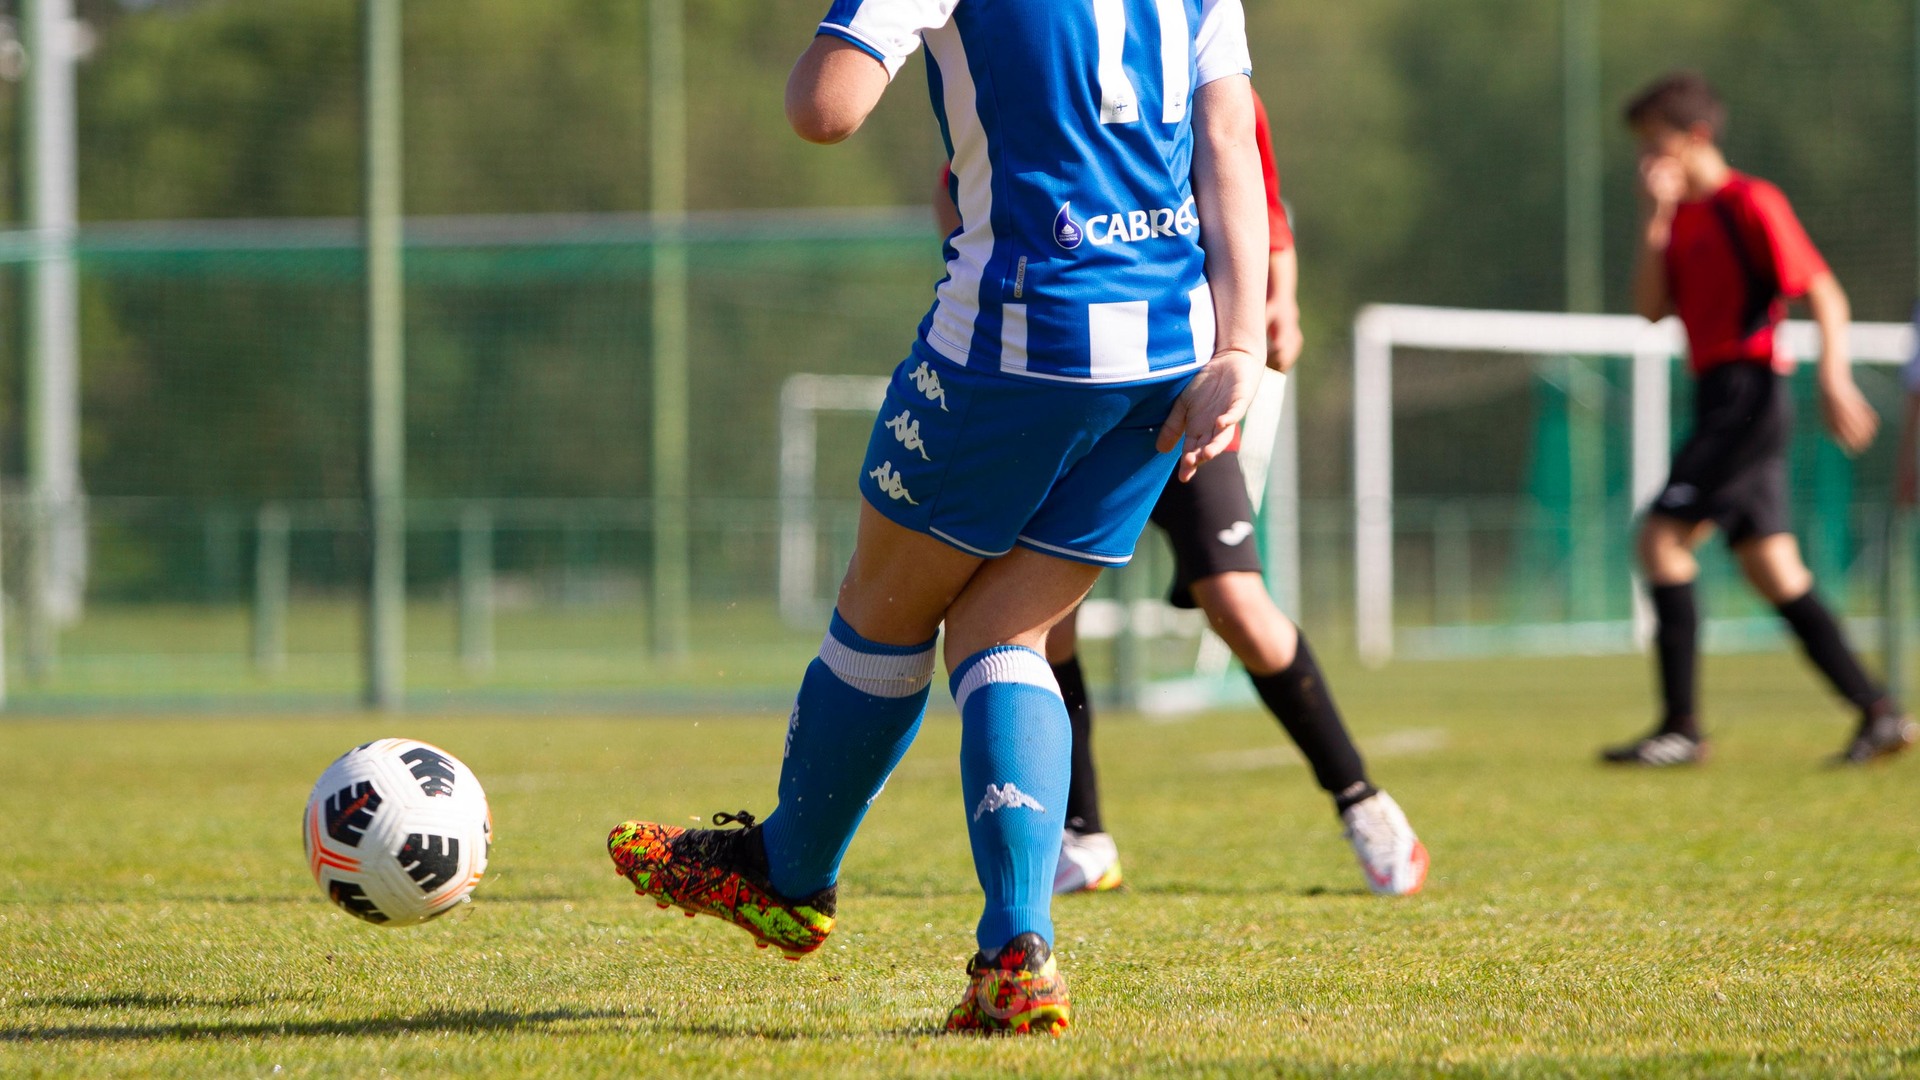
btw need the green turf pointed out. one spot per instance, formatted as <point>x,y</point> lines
<point>1758,916</point>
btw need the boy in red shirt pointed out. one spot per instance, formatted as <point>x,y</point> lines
<point>1724,252</point>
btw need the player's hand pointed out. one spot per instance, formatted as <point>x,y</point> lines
<point>1202,421</point>
<point>1284,340</point>
<point>1663,183</point>
<point>1850,418</point>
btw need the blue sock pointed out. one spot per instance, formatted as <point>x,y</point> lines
<point>1016,752</point>
<point>858,710</point>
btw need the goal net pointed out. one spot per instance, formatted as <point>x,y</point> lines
<point>1501,459</point>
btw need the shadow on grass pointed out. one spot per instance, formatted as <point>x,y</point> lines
<point>473,1021</point>
<point>85,1002</point>
<point>1218,888</point>
<point>468,1020</point>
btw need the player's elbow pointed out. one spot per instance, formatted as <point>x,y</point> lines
<point>818,119</point>
<point>831,90</point>
<point>1826,298</point>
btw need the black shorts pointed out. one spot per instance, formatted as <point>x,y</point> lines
<point>1732,470</point>
<point>1209,521</point>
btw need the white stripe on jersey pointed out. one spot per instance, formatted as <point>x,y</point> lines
<point>1117,340</point>
<point>958,298</point>
<point>1013,338</point>
<point>1221,42</point>
<point>1119,104</point>
<point>1176,45</point>
<point>1202,320</point>
<point>890,28</point>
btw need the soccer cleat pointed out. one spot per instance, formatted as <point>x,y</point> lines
<point>1018,992</point>
<point>1660,749</point>
<point>1392,857</point>
<point>723,873</point>
<point>1879,737</point>
<point>1089,862</point>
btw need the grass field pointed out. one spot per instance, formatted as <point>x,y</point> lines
<point>1758,916</point>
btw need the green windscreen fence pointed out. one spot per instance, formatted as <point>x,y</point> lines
<point>1423,149</point>
<point>225,405</point>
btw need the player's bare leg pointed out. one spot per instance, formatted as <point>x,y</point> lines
<point>1241,611</point>
<point>1288,678</point>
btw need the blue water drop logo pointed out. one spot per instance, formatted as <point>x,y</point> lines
<point>1066,231</point>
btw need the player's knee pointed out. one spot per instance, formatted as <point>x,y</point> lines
<point>1245,617</point>
<point>1772,565</point>
<point>1665,556</point>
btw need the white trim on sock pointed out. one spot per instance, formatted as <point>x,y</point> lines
<point>878,674</point>
<point>1017,665</point>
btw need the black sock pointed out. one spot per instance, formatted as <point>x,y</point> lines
<point>1300,700</point>
<point>1083,794</point>
<point>1677,639</point>
<point>1826,646</point>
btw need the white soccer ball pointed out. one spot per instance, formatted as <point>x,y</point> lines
<point>397,832</point>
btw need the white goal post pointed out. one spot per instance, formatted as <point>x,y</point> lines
<point>1380,329</point>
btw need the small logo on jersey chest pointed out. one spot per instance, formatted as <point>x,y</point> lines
<point>1066,231</point>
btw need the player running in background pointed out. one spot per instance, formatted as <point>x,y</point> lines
<point>1724,251</point>
<point>1099,324</point>
<point>1209,522</point>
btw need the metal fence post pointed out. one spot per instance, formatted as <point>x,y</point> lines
<point>668,148</point>
<point>272,558</point>
<point>386,372</point>
<point>476,590</point>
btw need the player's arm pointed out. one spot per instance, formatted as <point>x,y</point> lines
<point>1662,184</point>
<point>1284,340</point>
<point>1906,467</point>
<point>1849,417</point>
<point>832,89</point>
<point>946,216</point>
<point>1229,197</point>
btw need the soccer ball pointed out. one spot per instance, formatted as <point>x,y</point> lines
<point>397,832</point>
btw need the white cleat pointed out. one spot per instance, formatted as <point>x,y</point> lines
<point>1089,862</point>
<point>1393,859</point>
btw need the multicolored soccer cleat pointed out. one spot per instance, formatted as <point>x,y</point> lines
<point>1089,862</point>
<point>1018,992</point>
<point>1392,857</point>
<point>723,873</point>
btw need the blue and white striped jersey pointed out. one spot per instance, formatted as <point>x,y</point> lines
<point>1078,255</point>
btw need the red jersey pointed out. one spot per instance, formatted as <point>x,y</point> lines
<point>1732,298</point>
<point>1279,230</point>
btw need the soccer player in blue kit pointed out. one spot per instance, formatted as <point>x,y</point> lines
<point>1099,327</point>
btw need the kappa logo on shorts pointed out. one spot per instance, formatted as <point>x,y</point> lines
<point>907,430</point>
<point>890,483</point>
<point>1236,535</point>
<point>1005,796</point>
<point>927,381</point>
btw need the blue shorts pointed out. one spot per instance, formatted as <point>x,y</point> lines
<point>985,461</point>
